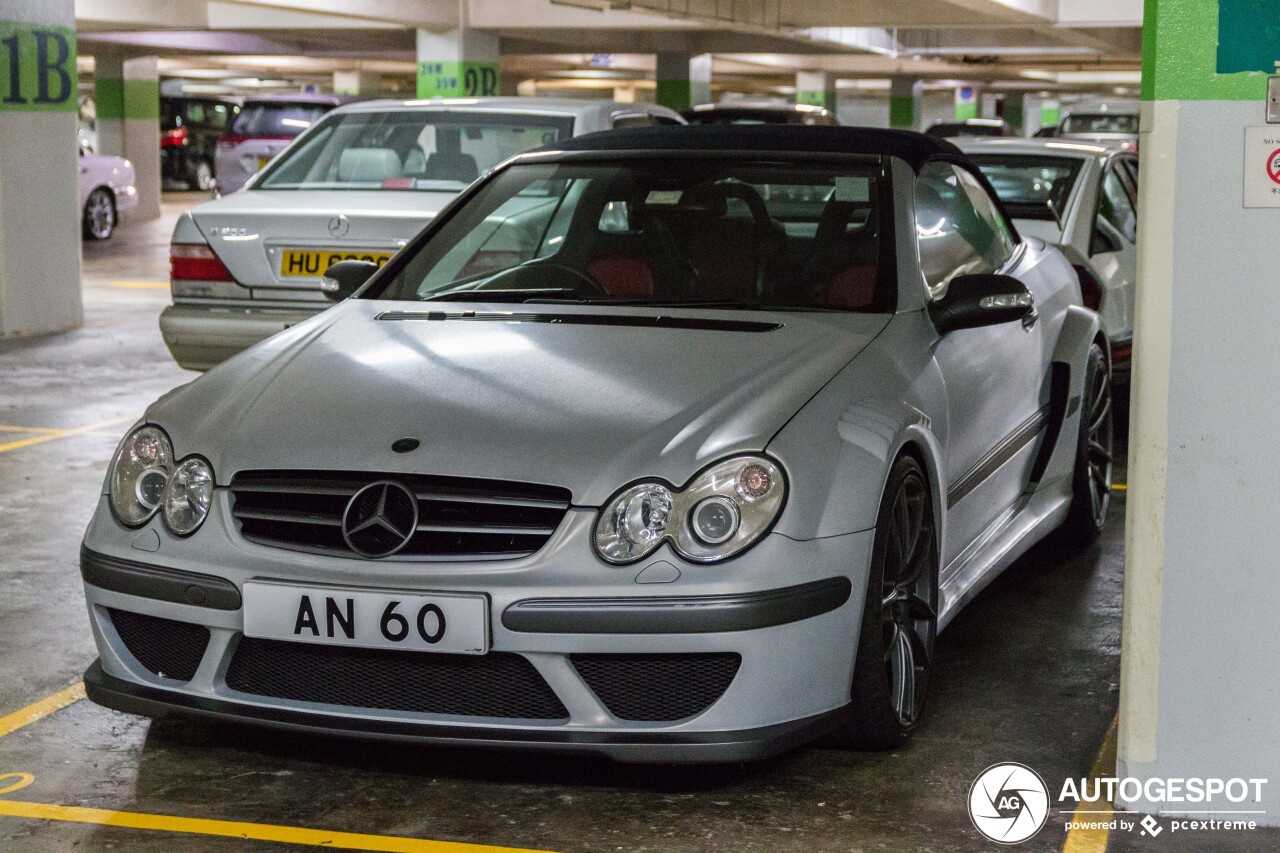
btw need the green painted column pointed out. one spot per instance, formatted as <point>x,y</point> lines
<point>1014,113</point>
<point>682,80</point>
<point>1050,113</point>
<point>816,89</point>
<point>966,103</point>
<point>462,63</point>
<point>40,228</point>
<point>127,100</point>
<point>1203,471</point>
<point>904,103</point>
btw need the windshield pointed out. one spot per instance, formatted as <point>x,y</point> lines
<point>1126,123</point>
<point>1031,187</point>
<point>698,233</point>
<point>409,149</point>
<point>276,119</point>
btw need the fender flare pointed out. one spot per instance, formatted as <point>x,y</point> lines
<point>1080,329</point>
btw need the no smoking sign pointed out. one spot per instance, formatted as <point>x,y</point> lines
<point>1262,166</point>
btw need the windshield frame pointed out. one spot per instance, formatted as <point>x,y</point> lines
<point>887,262</point>
<point>338,114</point>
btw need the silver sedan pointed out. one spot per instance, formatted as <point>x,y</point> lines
<point>665,444</point>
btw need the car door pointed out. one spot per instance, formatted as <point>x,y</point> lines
<point>995,376</point>
<point>1113,253</point>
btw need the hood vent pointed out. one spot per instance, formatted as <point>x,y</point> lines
<point>649,321</point>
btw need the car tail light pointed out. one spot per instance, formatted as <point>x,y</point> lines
<point>1121,353</point>
<point>196,261</point>
<point>1090,290</point>
<point>173,138</point>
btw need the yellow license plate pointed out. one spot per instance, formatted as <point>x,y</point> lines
<point>304,263</point>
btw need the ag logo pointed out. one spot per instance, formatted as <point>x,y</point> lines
<point>1008,803</point>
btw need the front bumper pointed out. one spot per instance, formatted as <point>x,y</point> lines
<point>796,642</point>
<point>199,337</point>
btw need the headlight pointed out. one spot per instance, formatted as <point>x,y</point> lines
<point>188,495</point>
<point>139,474</point>
<point>144,479</point>
<point>722,512</point>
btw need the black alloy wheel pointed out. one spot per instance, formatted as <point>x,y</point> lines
<point>900,616</point>
<point>1091,483</point>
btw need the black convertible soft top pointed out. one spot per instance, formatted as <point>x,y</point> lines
<point>915,148</point>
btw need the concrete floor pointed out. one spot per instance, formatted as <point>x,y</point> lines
<point>1027,673</point>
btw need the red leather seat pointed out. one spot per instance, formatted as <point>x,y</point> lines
<point>621,276</point>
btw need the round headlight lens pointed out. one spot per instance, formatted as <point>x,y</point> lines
<point>634,523</point>
<point>723,511</point>
<point>188,496</point>
<point>139,474</point>
<point>715,520</point>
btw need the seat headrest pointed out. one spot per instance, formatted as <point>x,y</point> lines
<point>363,165</point>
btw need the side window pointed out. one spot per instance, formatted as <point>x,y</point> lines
<point>958,227</point>
<point>1116,207</point>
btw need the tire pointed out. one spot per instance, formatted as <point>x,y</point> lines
<point>1091,480</point>
<point>98,219</point>
<point>202,177</point>
<point>899,617</point>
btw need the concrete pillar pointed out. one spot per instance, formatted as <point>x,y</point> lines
<point>40,231</point>
<point>989,105</point>
<point>966,103</point>
<point>1050,112</point>
<point>1014,112</point>
<point>461,63</point>
<point>904,103</point>
<point>356,82</point>
<point>683,81</point>
<point>1200,650</point>
<point>816,88</point>
<point>127,97</point>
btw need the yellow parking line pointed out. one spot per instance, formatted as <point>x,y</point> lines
<point>142,285</point>
<point>238,829</point>
<point>12,428</point>
<point>1119,487</point>
<point>38,710</point>
<point>51,434</point>
<point>1104,766</point>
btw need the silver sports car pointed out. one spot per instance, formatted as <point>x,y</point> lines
<point>671,444</point>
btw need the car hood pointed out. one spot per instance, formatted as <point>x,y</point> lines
<point>510,396</point>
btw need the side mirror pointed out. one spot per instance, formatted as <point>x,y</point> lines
<point>345,278</point>
<point>982,300</point>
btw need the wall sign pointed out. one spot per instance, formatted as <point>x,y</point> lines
<point>1262,166</point>
<point>37,67</point>
<point>457,79</point>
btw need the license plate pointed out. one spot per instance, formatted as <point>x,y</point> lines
<point>307,263</point>
<point>432,622</point>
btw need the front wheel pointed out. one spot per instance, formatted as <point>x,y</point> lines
<point>99,218</point>
<point>899,617</point>
<point>1091,482</point>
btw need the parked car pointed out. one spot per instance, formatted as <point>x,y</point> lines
<point>1114,121</point>
<point>189,131</point>
<point>261,130</point>
<point>1084,198</point>
<point>617,456</point>
<point>970,127</point>
<point>759,113</point>
<point>107,189</point>
<point>357,184</point>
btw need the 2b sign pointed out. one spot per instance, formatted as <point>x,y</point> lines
<point>37,67</point>
<point>457,79</point>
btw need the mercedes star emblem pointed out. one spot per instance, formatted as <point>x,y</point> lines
<point>380,519</point>
<point>339,225</point>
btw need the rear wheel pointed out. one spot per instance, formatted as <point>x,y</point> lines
<point>899,618</point>
<point>1091,482</point>
<point>99,218</point>
<point>203,176</point>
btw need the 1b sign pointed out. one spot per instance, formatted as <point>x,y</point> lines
<point>1262,166</point>
<point>37,67</point>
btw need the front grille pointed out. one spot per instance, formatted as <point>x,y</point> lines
<point>458,518</point>
<point>498,684</point>
<point>164,646</point>
<point>652,688</point>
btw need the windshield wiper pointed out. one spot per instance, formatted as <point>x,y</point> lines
<point>513,295</point>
